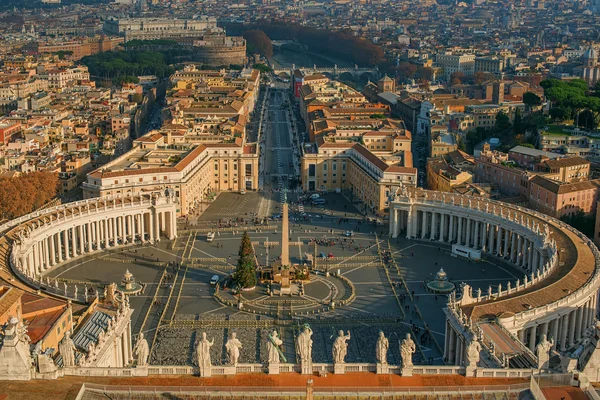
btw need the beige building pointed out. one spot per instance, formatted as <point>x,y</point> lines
<point>195,173</point>
<point>350,167</point>
<point>451,63</point>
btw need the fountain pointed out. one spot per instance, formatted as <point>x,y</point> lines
<point>128,285</point>
<point>440,284</point>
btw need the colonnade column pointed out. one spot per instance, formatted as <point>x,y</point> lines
<point>58,241</point>
<point>578,326</point>
<point>532,335</point>
<point>459,232</point>
<point>423,224</point>
<point>442,227</point>
<point>88,229</point>
<point>519,251</point>
<point>104,228</point>
<point>115,234</point>
<point>66,243</point>
<point>544,329</point>
<point>46,263</point>
<point>563,333</point>
<point>81,239</point>
<point>555,325</point>
<point>506,240</point>
<point>142,228</point>
<point>490,248</point>
<point>98,234</point>
<point>513,248</point>
<point>468,238</point>
<point>572,327</point>
<point>73,241</point>
<point>52,249</point>
<point>151,218</point>
<point>498,239</point>
<point>433,225</point>
<point>476,237</point>
<point>484,235</point>
<point>530,258</point>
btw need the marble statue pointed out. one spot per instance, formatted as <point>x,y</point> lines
<point>304,344</point>
<point>340,347</point>
<point>407,349</point>
<point>473,350</point>
<point>542,352</point>
<point>381,350</point>
<point>142,351</point>
<point>203,353</point>
<point>273,344</point>
<point>233,347</point>
<point>67,350</point>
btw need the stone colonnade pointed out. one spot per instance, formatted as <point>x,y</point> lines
<point>101,224</point>
<point>505,232</point>
<point>565,328</point>
<point>469,228</point>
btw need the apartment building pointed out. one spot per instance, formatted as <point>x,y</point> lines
<point>560,199</point>
<point>61,78</point>
<point>567,170</point>
<point>451,63</point>
<point>495,167</point>
<point>493,65</point>
<point>351,168</point>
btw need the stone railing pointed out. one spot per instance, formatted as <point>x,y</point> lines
<point>511,288</point>
<point>277,392</point>
<point>249,368</point>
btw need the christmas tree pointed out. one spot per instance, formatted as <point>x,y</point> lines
<point>245,272</point>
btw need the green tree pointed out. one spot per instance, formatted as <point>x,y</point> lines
<point>531,100</point>
<point>262,67</point>
<point>518,124</point>
<point>558,114</point>
<point>245,272</point>
<point>502,121</point>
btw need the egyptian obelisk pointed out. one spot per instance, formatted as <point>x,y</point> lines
<point>285,236</point>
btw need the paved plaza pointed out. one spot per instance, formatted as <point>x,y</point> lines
<point>178,302</point>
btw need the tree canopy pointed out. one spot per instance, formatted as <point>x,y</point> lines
<point>26,193</point>
<point>117,65</point>
<point>342,44</point>
<point>245,272</point>
<point>258,42</point>
<point>572,98</point>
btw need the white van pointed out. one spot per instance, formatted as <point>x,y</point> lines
<point>210,237</point>
<point>214,280</point>
<point>314,196</point>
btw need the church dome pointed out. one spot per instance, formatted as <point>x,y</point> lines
<point>590,54</point>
